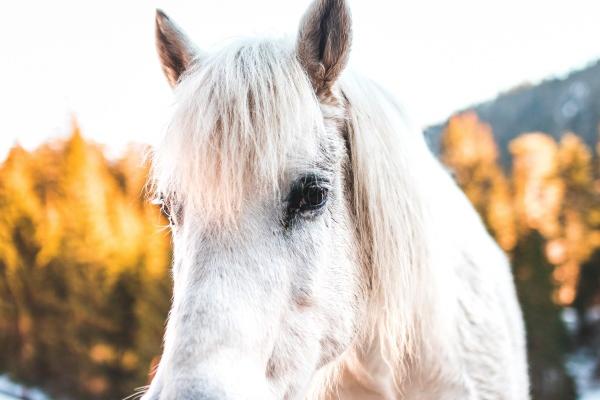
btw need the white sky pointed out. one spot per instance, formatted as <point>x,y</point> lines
<point>96,60</point>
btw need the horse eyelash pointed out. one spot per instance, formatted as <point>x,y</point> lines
<point>166,209</point>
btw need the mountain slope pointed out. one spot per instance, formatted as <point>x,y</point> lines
<point>554,106</point>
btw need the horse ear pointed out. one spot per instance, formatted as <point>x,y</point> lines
<point>323,43</point>
<point>175,50</point>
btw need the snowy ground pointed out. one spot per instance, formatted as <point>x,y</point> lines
<point>10,390</point>
<point>582,363</point>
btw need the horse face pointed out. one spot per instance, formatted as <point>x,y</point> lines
<point>269,298</point>
<point>259,309</point>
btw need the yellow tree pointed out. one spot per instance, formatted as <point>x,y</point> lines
<point>554,195</point>
<point>574,161</point>
<point>538,198</point>
<point>538,188</point>
<point>84,285</point>
<point>469,150</point>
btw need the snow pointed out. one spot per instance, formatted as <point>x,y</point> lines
<point>582,363</point>
<point>10,390</point>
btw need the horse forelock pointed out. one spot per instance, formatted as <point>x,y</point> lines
<point>240,116</point>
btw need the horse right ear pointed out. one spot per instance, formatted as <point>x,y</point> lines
<point>175,50</point>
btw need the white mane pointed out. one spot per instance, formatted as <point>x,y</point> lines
<point>387,155</point>
<point>435,270</point>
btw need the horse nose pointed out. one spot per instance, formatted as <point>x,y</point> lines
<point>208,380</point>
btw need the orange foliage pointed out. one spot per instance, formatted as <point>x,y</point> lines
<point>469,150</point>
<point>552,190</point>
<point>84,258</point>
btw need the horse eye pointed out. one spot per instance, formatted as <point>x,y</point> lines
<point>314,197</point>
<point>307,194</point>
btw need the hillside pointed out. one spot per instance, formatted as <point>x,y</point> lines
<point>554,106</point>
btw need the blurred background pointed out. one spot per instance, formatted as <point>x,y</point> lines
<point>507,93</point>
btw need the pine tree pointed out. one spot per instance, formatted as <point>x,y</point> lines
<point>547,341</point>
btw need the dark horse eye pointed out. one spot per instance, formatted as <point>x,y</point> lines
<point>307,194</point>
<point>314,197</point>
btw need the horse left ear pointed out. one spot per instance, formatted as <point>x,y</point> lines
<point>175,50</point>
<point>323,43</point>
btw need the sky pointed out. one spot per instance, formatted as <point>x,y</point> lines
<point>97,61</point>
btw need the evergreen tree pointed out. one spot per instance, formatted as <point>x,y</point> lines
<point>547,341</point>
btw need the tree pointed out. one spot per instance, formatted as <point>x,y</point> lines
<point>469,150</point>
<point>84,259</point>
<point>547,341</point>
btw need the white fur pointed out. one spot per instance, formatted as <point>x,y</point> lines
<point>396,291</point>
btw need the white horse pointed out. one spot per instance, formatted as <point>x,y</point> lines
<point>320,250</point>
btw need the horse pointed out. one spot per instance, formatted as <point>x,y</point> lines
<point>321,251</point>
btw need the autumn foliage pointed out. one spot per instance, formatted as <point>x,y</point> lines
<point>84,279</point>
